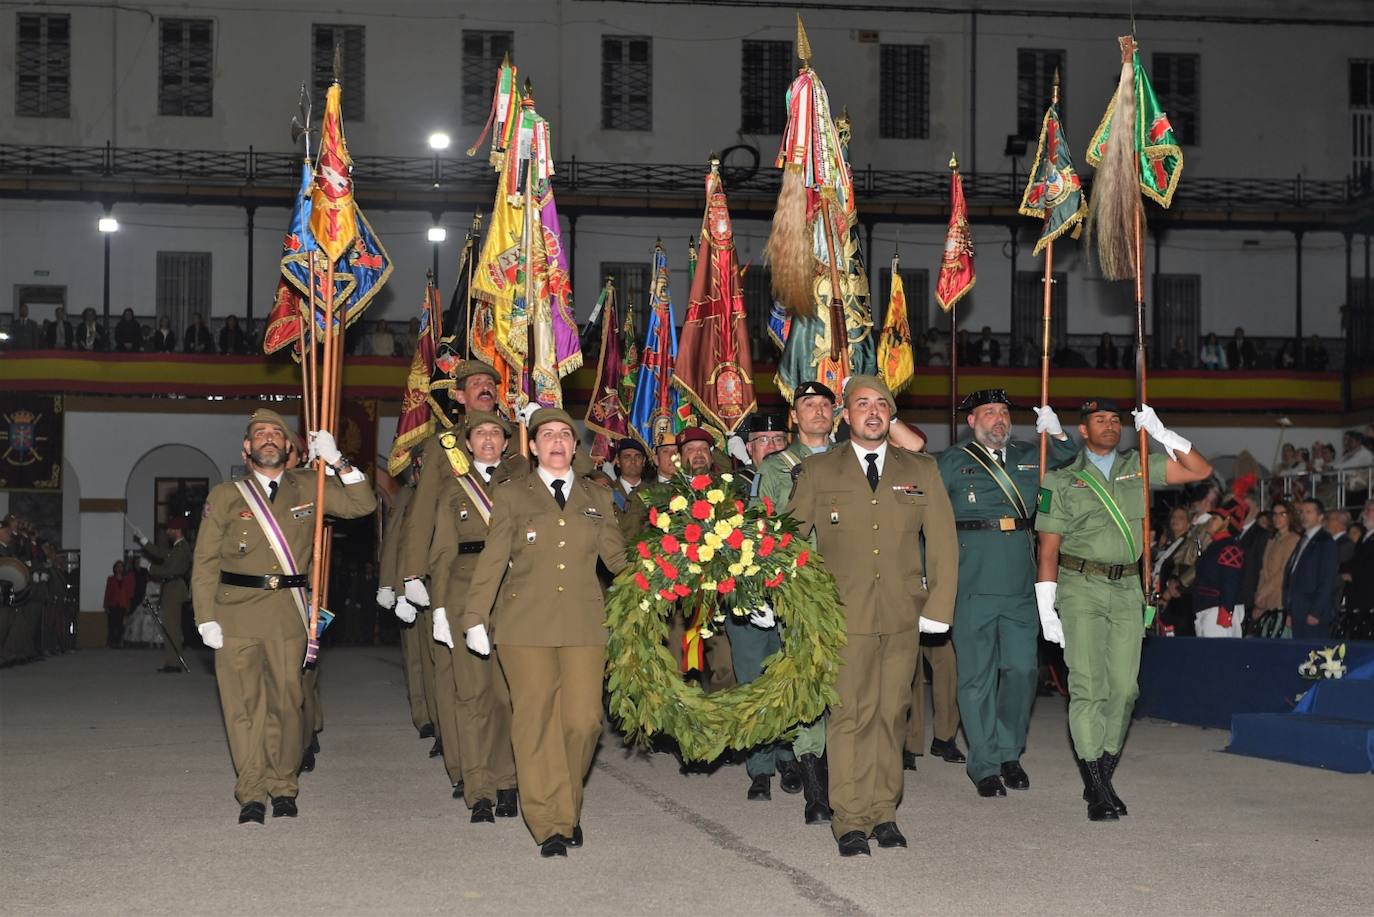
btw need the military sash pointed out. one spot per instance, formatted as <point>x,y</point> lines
<point>277,541</point>
<point>477,494</point>
<point>1112,510</point>
<point>999,476</point>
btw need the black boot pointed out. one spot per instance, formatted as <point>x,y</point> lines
<point>1109,763</point>
<point>815,784</point>
<point>1100,807</point>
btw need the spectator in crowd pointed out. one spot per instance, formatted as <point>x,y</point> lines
<point>1067,357</point>
<point>231,338</point>
<point>91,336</point>
<point>1253,539</point>
<point>961,347</point>
<point>921,344</point>
<point>406,345</point>
<point>986,351</point>
<point>1240,351</point>
<point>1108,357</point>
<point>1310,577</point>
<point>939,347</point>
<point>128,333</point>
<point>1216,588</point>
<point>164,338</point>
<point>1337,524</point>
<point>58,333</point>
<point>198,338</point>
<point>1024,353</point>
<point>1212,355</point>
<point>1286,358</point>
<point>24,331</point>
<point>119,598</point>
<point>1169,559</point>
<point>1277,552</point>
<point>1359,588</point>
<point>1314,355</point>
<point>1180,357</point>
<point>1176,609</point>
<point>1356,459</point>
<point>382,343</point>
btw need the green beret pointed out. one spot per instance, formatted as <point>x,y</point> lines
<point>474,368</point>
<point>474,419</point>
<point>550,415</point>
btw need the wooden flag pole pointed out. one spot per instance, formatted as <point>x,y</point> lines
<point>953,373</point>
<point>474,235</point>
<point>326,407</point>
<point>528,246</point>
<point>839,330</point>
<point>1146,574</point>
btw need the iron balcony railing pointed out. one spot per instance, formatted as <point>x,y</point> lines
<point>253,167</point>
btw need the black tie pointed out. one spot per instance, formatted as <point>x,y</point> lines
<point>557,486</point>
<point>1293,561</point>
<point>872,459</point>
<point>272,491</point>
<point>486,473</point>
<point>1001,457</point>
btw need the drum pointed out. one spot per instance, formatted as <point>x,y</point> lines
<point>15,580</point>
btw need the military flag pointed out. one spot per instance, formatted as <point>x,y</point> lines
<point>957,275</point>
<point>896,359</point>
<point>1054,191</point>
<point>284,321</point>
<point>655,410</point>
<point>417,419</point>
<point>629,362</point>
<point>714,369</point>
<point>333,222</point>
<point>606,415</point>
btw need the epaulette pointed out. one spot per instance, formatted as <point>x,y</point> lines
<point>449,441</point>
<point>796,470</point>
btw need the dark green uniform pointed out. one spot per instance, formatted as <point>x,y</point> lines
<point>995,618</point>
<point>1100,600</point>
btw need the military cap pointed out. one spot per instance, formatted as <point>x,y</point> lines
<point>765,423</point>
<point>474,419</point>
<point>1096,405</point>
<point>694,435</point>
<point>812,388</point>
<point>473,367</point>
<point>269,416</point>
<point>873,383</point>
<point>176,524</point>
<point>985,396</point>
<point>629,443</point>
<point>550,415</point>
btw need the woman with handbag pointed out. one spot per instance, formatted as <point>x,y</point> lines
<point>1268,610</point>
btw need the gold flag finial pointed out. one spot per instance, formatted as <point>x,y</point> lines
<point>953,161</point>
<point>1054,97</point>
<point>529,88</point>
<point>803,45</point>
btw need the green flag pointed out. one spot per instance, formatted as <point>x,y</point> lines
<point>1156,147</point>
<point>1054,192</point>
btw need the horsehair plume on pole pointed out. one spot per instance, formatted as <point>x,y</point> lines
<point>803,43</point>
<point>1115,206</point>
<point>790,250</point>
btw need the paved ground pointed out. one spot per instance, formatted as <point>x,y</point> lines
<point>116,790</point>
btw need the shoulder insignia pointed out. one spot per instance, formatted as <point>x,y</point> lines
<point>448,440</point>
<point>1042,501</point>
<point>795,471</point>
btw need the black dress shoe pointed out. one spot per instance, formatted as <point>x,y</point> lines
<point>506,806</point>
<point>908,760</point>
<point>170,669</point>
<point>458,790</point>
<point>427,731</point>
<point>947,749</point>
<point>307,762</point>
<point>255,812</point>
<point>481,812</point>
<point>789,777</point>
<point>853,843</point>
<point>555,846</point>
<point>283,806</point>
<point>889,835</point>
<point>759,787</point>
<point>989,787</point>
<point>1015,776</point>
<point>437,748</point>
<point>576,839</point>
<point>314,742</point>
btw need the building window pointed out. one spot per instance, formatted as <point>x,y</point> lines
<point>482,54</point>
<point>349,40</point>
<point>42,66</point>
<point>182,286</point>
<point>765,74</point>
<point>186,63</point>
<point>758,303</point>
<point>904,92</point>
<point>1028,314</point>
<point>1035,68</point>
<point>1179,316</point>
<point>627,83</point>
<point>631,279</point>
<point>1176,79</point>
<point>1362,124</point>
<point>916,285</point>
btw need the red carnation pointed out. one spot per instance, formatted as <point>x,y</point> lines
<point>802,558</point>
<point>669,544</point>
<point>766,545</point>
<point>701,482</point>
<point>726,586</point>
<point>786,540</point>
<point>735,539</point>
<point>692,533</point>
<point>667,595</point>
<point>701,509</point>
<point>668,570</point>
<point>739,506</point>
<point>693,554</point>
<point>653,515</point>
<point>768,506</point>
<point>682,591</point>
<point>642,581</point>
<point>775,582</point>
<point>643,550</point>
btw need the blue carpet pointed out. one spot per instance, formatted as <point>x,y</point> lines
<point>1331,727</point>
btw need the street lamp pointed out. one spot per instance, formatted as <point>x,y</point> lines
<point>437,235</point>
<point>108,226</point>
<point>438,141</point>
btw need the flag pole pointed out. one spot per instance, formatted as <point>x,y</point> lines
<point>1048,299</point>
<point>839,330</point>
<point>325,405</point>
<point>953,347</point>
<point>528,245</point>
<point>474,234</point>
<point>1138,248</point>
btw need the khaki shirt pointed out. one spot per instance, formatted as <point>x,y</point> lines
<point>871,540</point>
<point>460,533</point>
<point>1068,507</point>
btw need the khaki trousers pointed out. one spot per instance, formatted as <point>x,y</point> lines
<point>720,668</point>
<point>175,596</point>
<point>261,696</point>
<point>944,685</point>
<point>555,694</point>
<point>424,636</point>
<point>484,722</point>
<point>864,736</point>
<point>415,677</point>
<point>445,706</point>
<point>312,712</point>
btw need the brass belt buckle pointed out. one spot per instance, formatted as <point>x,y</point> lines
<point>272,581</point>
<point>1114,571</point>
<point>1006,524</point>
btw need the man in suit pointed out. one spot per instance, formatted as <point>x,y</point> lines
<point>475,713</point>
<point>1252,540</point>
<point>1337,524</point>
<point>171,566</point>
<point>198,338</point>
<point>536,597</point>
<point>1359,589</point>
<point>871,506</point>
<point>25,334</point>
<point>58,333</point>
<point>1309,579</point>
<point>248,588</point>
<point>992,480</point>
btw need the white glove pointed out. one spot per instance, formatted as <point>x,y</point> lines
<point>442,634</point>
<point>139,537</point>
<point>477,640</point>
<point>1050,625</point>
<point>1046,421</point>
<point>212,634</point>
<point>1146,419</point>
<point>927,626</point>
<point>528,411</point>
<point>416,592</point>
<point>762,618</point>
<point>405,611</point>
<point>386,597</point>
<point>323,447</point>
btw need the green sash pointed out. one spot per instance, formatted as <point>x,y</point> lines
<point>1000,476</point>
<point>1112,510</point>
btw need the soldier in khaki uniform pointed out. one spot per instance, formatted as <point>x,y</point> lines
<point>246,612</point>
<point>869,505</point>
<point>420,714</point>
<point>480,724</point>
<point>535,594</point>
<point>172,567</point>
<point>1089,519</point>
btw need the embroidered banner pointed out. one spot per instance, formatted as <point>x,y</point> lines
<point>30,441</point>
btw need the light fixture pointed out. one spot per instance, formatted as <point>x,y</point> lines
<point>437,234</point>
<point>438,141</point>
<point>108,224</point>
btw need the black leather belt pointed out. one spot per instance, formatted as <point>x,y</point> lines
<point>271,581</point>
<point>1004,524</point>
<point>1110,571</point>
<point>471,547</point>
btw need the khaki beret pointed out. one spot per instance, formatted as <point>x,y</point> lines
<point>550,415</point>
<point>474,419</point>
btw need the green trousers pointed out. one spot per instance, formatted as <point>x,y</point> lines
<point>994,638</point>
<point>749,647</point>
<point>1103,629</point>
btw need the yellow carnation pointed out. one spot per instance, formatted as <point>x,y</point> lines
<point>724,528</point>
<point>736,569</point>
<point>715,495</point>
<point>705,553</point>
<point>751,570</point>
<point>712,540</point>
<point>693,569</point>
<point>678,503</point>
<point>664,522</point>
<point>735,520</point>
